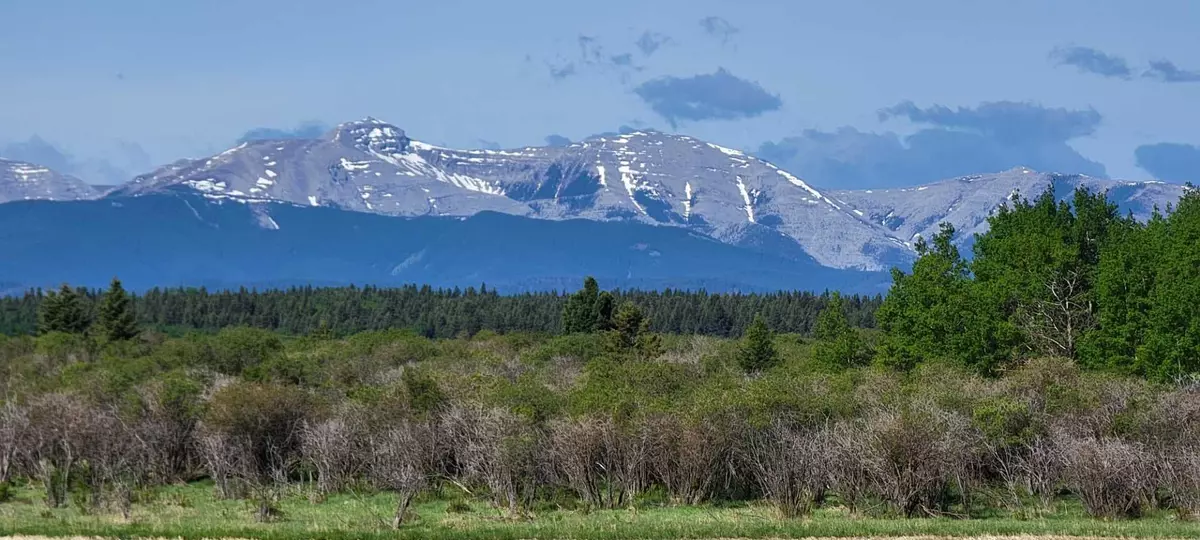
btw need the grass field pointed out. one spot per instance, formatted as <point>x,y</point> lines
<point>191,512</point>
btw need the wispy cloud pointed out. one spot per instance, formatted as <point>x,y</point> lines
<point>1094,61</point>
<point>305,130</point>
<point>719,27</point>
<point>561,71</point>
<point>650,42</point>
<point>591,56</point>
<point>715,96</point>
<point>1005,120</point>
<point>1166,71</point>
<point>117,164</point>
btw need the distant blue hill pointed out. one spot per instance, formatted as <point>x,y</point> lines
<point>183,239</point>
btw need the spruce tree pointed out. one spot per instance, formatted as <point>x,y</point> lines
<point>603,312</point>
<point>63,312</point>
<point>588,310</point>
<point>838,344</point>
<point>115,318</point>
<point>756,352</point>
<point>630,334</point>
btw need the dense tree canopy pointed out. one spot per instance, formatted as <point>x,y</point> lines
<point>1050,278</point>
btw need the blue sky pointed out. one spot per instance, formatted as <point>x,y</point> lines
<point>848,93</point>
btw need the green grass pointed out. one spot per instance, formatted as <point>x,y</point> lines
<point>191,512</point>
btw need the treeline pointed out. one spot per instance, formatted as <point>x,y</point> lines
<point>439,313</point>
<point>1074,280</point>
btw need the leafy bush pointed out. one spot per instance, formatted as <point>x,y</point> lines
<point>237,349</point>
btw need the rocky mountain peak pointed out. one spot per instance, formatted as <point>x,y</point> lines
<point>20,180</point>
<point>372,135</point>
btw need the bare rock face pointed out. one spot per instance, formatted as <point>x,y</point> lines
<point>966,202</point>
<point>20,181</point>
<point>366,166</point>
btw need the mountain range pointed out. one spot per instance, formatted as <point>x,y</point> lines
<point>644,208</point>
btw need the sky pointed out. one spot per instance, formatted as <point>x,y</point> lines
<point>850,94</point>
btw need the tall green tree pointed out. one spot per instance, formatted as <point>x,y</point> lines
<point>115,317</point>
<point>1126,279</point>
<point>630,334</point>
<point>1037,266</point>
<point>1171,341</point>
<point>838,344</point>
<point>63,311</point>
<point>756,352</point>
<point>588,310</point>
<point>937,313</point>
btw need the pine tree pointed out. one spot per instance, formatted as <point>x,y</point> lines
<point>115,318</point>
<point>62,312</point>
<point>756,352</point>
<point>603,312</point>
<point>838,344</point>
<point>588,310</point>
<point>630,334</point>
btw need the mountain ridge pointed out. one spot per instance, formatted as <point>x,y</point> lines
<point>647,177</point>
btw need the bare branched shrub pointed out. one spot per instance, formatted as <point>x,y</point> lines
<point>1173,419</point>
<point>603,463</point>
<point>1043,466</point>
<point>791,466</point>
<point>14,421</point>
<point>689,457</point>
<point>1110,476</point>
<point>402,460</point>
<point>1181,479</point>
<point>116,460</point>
<point>496,448</point>
<point>168,447</point>
<point>849,474</point>
<point>1170,429</point>
<point>334,447</point>
<point>63,441</point>
<point>264,418</point>
<point>1033,467</point>
<point>167,430</point>
<point>251,435</point>
<point>1110,398</point>
<point>915,455</point>
<point>54,441</point>
<point>225,460</point>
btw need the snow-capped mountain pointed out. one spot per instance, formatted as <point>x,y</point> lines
<point>648,177</point>
<point>365,166</point>
<point>675,180</point>
<point>966,202</point>
<point>21,181</point>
